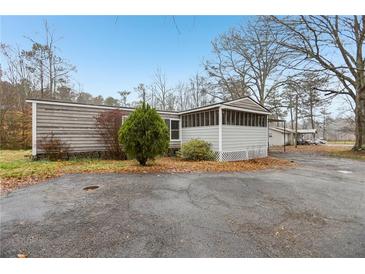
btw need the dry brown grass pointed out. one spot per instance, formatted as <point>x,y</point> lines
<point>311,148</point>
<point>341,151</point>
<point>19,171</point>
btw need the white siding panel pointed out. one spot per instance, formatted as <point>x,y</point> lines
<point>236,138</point>
<point>209,134</point>
<point>277,138</point>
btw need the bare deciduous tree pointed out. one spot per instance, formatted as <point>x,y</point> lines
<point>183,97</point>
<point>160,89</point>
<point>312,98</point>
<point>198,91</point>
<point>141,92</point>
<point>250,58</point>
<point>335,45</point>
<point>46,65</point>
<point>123,97</point>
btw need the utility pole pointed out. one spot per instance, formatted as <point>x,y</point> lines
<point>296,120</point>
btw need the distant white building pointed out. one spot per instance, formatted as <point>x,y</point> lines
<point>276,135</point>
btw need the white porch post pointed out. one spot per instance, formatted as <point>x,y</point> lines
<point>34,129</point>
<point>180,130</point>
<point>220,147</point>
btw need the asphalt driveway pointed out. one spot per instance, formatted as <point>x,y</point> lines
<point>314,210</point>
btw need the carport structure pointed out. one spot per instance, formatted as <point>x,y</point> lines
<point>282,130</point>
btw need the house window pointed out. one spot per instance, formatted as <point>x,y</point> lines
<point>206,119</point>
<point>238,118</point>
<point>124,118</point>
<point>242,118</point>
<point>212,120</point>
<point>229,117</point>
<point>201,119</point>
<point>174,128</point>
<point>224,117</point>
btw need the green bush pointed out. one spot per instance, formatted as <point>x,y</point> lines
<point>196,150</point>
<point>144,135</point>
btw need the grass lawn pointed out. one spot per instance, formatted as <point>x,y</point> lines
<point>331,150</point>
<point>341,142</point>
<point>17,169</point>
<point>360,155</point>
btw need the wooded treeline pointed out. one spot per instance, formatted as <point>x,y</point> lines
<point>293,65</point>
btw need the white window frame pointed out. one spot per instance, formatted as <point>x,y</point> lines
<point>175,119</point>
<point>124,117</point>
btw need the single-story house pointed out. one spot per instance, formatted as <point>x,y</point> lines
<point>236,129</point>
<point>276,135</point>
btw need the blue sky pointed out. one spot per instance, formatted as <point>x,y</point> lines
<point>115,53</point>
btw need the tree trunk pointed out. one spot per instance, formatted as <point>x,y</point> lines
<point>311,115</point>
<point>296,121</point>
<point>142,160</point>
<point>324,127</point>
<point>41,79</point>
<point>50,74</point>
<point>360,119</point>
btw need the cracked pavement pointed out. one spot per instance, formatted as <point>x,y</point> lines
<point>316,209</point>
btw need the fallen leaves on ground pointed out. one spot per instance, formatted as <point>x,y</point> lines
<point>175,165</point>
<point>22,255</point>
<point>29,172</point>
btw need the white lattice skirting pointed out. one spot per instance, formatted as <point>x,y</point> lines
<point>246,154</point>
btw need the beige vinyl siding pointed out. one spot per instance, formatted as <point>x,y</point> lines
<point>236,138</point>
<point>75,126</point>
<point>246,103</point>
<point>209,134</point>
